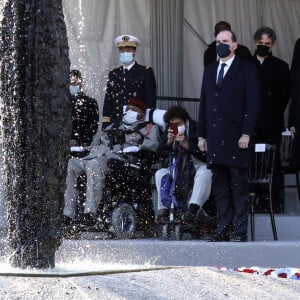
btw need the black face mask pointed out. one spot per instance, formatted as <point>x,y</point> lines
<point>223,50</point>
<point>262,50</point>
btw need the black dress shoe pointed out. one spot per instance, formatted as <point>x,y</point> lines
<point>219,237</point>
<point>67,221</point>
<point>189,217</point>
<point>88,219</point>
<point>240,238</point>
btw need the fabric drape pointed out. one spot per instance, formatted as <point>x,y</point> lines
<point>167,42</point>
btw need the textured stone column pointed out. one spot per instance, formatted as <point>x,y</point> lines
<point>36,122</point>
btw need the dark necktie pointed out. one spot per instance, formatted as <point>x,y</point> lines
<point>221,75</point>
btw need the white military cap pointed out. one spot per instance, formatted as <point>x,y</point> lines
<point>126,40</point>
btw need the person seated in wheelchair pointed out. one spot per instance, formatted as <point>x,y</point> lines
<point>118,142</point>
<point>180,138</point>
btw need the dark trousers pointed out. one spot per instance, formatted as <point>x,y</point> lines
<point>230,187</point>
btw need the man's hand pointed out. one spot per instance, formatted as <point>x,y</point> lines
<point>182,141</point>
<point>244,141</point>
<point>171,137</point>
<point>292,131</point>
<point>202,144</point>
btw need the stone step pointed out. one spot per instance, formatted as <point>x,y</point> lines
<point>287,227</point>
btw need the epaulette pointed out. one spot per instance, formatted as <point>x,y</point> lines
<point>147,67</point>
<point>105,119</point>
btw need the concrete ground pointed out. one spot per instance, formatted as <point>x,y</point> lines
<point>94,268</point>
<point>155,269</point>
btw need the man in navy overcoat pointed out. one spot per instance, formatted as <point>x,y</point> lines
<point>227,116</point>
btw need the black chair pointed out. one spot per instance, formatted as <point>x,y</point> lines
<point>288,164</point>
<point>261,169</point>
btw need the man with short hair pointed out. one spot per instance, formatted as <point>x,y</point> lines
<point>130,80</point>
<point>85,113</point>
<point>227,116</point>
<point>210,54</point>
<point>85,120</point>
<point>274,76</point>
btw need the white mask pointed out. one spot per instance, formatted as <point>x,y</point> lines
<point>181,129</point>
<point>130,117</point>
<point>74,89</point>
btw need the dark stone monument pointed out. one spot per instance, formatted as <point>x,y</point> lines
<point>36,122</point>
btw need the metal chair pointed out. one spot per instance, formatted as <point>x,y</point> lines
<point>260,181</point>
<point>288,164</point>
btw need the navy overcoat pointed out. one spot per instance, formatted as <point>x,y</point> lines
<point>228,112</point>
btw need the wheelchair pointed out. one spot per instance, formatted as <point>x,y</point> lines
<point>202,226</point>
<point>177,222</point>
<point>126,209</point>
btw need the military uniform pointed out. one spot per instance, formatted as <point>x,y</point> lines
<point>138,82</point>
<point>95,164</point>
<point>127,81</point>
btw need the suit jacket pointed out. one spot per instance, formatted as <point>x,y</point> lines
<point>296,60</point>
<point>274,76</point>
<point>294,113</point>
<point>210,54</point>
<point>138,83</point>
<point>85,118</point>
<point>227,113</point>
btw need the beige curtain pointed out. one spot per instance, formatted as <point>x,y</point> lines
<point>284,17</point>
<point>245,17</point>
<point>167,51</point>
<point>202,16</point>
<point>92,27</point>
<point>173,35</point>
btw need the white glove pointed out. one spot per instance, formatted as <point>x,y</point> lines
<point>131,149</point>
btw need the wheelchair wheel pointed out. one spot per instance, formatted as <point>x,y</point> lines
<point>124,222</point>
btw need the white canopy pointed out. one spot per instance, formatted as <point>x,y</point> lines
<point>173,35</point>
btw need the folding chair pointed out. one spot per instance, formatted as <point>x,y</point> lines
<point>260,180</point>
<point>287,162</point>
